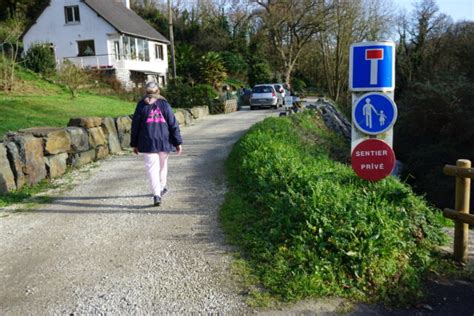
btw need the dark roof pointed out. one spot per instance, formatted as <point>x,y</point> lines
<point>124,20</point>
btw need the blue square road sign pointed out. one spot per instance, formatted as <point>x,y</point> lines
<point>372,66</point>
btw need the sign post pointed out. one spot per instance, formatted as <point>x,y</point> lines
<point>372,82</point>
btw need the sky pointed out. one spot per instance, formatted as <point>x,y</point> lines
<point>457,9</point>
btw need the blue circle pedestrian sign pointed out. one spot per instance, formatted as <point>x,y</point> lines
<point>374,113</point>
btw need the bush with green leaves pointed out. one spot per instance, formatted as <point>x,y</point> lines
<point>212,70</point>
<point>309,227</point>
<point>234,63</point>
<point>183,95</point>
<point>40,59</point>
<point>441,135</point>
<point>259,72</point>
<point>298,85</point>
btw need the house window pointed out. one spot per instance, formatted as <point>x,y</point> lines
<point>159,51</point>
<point>147,51</point>
<point>133,48</point>
<point>161,81</point>
<point>117,50</point>
<point>143,52</point>
<point>86,48</point>
<point>71,14</point>
<point>126,47</point>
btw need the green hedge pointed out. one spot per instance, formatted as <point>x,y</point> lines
<point>40,58</point>
<point>309,226</point>
<point>183,95</point>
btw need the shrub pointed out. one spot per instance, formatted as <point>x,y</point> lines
<point>40,59</point>
<point>234,63</point>
<point>202,94</point>
<point>437,118</point>
<point>212,70</point>
<point>310,227</point>
<point>298,85</point>
<point>72,77</point>
<point>183,95</point>
<point>259,73</point>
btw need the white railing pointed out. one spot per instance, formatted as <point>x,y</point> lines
<point>91,62</point>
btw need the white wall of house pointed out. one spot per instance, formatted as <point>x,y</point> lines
<point>51,27</point>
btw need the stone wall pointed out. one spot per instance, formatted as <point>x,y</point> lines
<point>226,107</point>
<point>33,154</point>
<point>230,106</point>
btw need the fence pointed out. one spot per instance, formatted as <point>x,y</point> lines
<point>100,61</point>
<point>463,173</point>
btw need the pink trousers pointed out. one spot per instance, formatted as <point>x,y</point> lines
<point>156,165</point>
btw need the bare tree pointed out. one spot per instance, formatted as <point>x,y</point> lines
<point>292,25</point>
<point>420,42</point>
<point>352,21</point>
<point>72,77</point>
<point>10,32</point>
<point>425,33</point>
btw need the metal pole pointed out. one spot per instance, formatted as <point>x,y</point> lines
<point>461,230</point>
<point>170,19</point>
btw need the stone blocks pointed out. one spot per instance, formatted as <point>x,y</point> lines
<point>7,178</point>
<point>30,155</point>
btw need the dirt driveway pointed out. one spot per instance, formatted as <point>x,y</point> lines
<point>101,248</point>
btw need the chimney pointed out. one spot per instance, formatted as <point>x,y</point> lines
<point>127,3</point>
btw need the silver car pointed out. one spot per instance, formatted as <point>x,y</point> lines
<point>265,95</point>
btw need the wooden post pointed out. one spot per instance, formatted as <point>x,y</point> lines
<point>461,230</point>
<point>170,23</point>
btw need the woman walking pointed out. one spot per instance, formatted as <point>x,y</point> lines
<point>155,131</point>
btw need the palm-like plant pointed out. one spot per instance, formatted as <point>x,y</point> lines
<point>212,68</point>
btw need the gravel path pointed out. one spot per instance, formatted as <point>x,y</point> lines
<point>101,248</point>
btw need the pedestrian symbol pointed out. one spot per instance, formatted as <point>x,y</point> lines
<point>374,113</point>
<point>367,109</point>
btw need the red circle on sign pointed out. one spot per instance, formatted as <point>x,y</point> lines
<point>373,159</point>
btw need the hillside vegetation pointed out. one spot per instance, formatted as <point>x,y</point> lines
<point>308,226</point>
<point>36,102</point>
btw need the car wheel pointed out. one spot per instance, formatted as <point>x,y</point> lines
<point>252,108</point>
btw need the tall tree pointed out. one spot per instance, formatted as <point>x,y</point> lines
<point>291,26</point>
<point>30,9</point>
<point>353,21</point>
<point>420,42</point>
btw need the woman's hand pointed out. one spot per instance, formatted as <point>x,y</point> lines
<point>179,149</point>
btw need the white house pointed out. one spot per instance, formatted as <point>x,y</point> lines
<point>102,34</point>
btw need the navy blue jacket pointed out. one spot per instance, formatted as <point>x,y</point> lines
<point>154,128</point>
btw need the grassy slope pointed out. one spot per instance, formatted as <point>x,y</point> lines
<point>307,226</point>
<point>36,102</point>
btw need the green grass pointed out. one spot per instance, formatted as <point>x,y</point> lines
<point>36,102</point>
<point>27,193</point>
<point>307,226</point>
